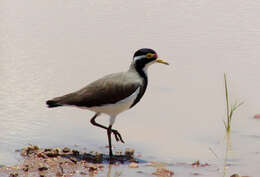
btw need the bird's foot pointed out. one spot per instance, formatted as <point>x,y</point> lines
<point>117,135</point>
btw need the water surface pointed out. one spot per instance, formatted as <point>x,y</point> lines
<point>50,48</point>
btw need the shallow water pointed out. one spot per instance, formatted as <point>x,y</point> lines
<point>50,48</point>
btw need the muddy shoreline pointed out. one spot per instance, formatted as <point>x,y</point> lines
<point>71,162</point>
<point>66,162</point>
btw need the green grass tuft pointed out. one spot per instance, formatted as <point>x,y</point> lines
<point>230,108</point>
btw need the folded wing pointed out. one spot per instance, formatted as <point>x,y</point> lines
<point>107,90</point>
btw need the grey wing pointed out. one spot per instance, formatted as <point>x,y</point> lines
<point>107,90</point>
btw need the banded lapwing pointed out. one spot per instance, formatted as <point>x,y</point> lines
<point>113,93</point>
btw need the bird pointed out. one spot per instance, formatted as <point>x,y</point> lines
<point>113,93</point>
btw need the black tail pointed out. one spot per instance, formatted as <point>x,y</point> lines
<point>52,104</point>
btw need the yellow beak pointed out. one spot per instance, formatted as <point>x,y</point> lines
<point>159,60</point>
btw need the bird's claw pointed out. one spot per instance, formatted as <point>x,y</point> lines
<point>118,136</point>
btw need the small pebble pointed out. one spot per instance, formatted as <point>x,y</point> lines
<point>66,150</point>
<point>86,157</point>
<point>140,172</point>
<point>41,155</point>
<point>42,167</point>
<point>235,175</point>
<point>133,165</point>
<point>29,150</point>
<point>257,116</point>
<point>83,173</point>
<point>100,166</point>
<point>75,152</point>
<point>196,174</point>
<point>98,157</point>
<point>163,172</point>
<point>58,150</point>
<point>92,168</point>
<point>53,153</point>
<point>35,147</point>
<point>73,159</point>
<point>26,168</point>
<point>13,174</point>
<point>196,164</point>
<point>59,174</point>
<point>129,152</point>
<point>47,149</point>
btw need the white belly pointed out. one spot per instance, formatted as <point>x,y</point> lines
<point>118,107</point>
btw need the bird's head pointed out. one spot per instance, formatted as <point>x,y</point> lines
<point>145,57</point>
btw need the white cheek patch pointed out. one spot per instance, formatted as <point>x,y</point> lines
<point>139,57</point>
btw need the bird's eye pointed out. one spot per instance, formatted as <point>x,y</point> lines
<point>149,55</point>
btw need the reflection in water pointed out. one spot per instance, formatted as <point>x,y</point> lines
<point>117,173</point>
<point>228,152</point>
<point>109,170</point>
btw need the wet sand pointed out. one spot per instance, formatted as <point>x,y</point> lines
<point>71,162</point>
<point>66,162</point>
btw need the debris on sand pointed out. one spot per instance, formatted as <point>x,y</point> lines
<point>13,175</point>
<point>235,175</point>
<point>198,164</point>
<point>66,150</point>
<point>63,162</point>
<point>70,162</point>
<point>29,150</point>
<point>129,152</point>
<point>163,172</point>
<point>257,116</point>
<point>133,165</point>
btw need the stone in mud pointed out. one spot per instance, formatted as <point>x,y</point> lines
<point>75,152</point>
<point>133,165</point>
<point>31,149</point>
<point>26,168</point>
<point>163,172</point>
<point>59,174</point>
<point>41,155</point>
<point>100,166</point>
<point>196,174</point>
<point>66,150</point>
<point>52,153</point>
<point>87,157</point>
<point>235,175</point>
<point>129,152</point>
<point>92,168</point>
<point>58,150</point>
<point>13,174</point>
<point>83,173</point>
<point>47,149</point>
<point>98,157</point>
<point>198,164</point>
<point>42,167</point>
<point>42,175</point>
<point>73,159</point>
<point>257,116</point>
<point>157,164</point>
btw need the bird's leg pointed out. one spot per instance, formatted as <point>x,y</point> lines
<point>117,135</point>
<point>109,131</point>
<point>93,121</point>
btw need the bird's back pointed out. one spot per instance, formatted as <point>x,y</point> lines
<point>106,90</point>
